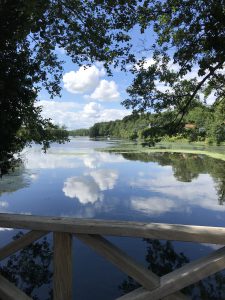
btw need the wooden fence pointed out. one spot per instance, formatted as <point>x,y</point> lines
<point>91,232</point>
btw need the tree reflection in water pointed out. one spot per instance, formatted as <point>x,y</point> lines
<point>187,167</point>
<point>30,268</point>
<point>162,259</point>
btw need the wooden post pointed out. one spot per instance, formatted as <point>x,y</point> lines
<point>62,276</point>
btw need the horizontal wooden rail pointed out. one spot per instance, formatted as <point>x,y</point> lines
<point>90,232</point>
<point>186,233</point>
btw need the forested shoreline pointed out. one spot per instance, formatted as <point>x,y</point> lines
<point>202,123</point>
<point>164,83</point>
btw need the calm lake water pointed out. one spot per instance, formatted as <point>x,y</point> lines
<point>78,181</point>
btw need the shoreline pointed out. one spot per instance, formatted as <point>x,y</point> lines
<point>167,148</point>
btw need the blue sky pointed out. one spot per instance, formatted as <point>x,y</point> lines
<point>89,95</point>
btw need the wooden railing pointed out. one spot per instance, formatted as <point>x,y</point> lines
<point>90,232</point>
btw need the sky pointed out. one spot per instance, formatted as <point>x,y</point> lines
<point>88,95</point>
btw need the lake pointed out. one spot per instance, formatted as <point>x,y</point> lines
<point>77,180</point>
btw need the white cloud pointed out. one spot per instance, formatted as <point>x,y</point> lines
<point>91,162</point>
<point>55,158</point>
<point>95,160</point>
<point>94,112</point>
<point>74,115</point>
<point>85,80</point>
<point>83,188</point>
<point>4,204</point>
<point>5,229</point>
<point>105,179</point>
<point>92,109</point>
<point>152,205</point>
<point>88,189</point>
<point>61,112</point>
<point>149,61</point>
<point>49,105</point>
<point>34,176</point>
<point>35,159</point>
<point>106,91</point>
<point>113,114</point>
<point>200,192</point>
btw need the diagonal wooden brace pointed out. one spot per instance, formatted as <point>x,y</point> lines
<point>182,277</point>
<point>8,291</point>
<point>125,263</point>
<point>20,243</point>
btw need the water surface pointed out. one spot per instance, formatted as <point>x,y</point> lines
<point>76,180</point>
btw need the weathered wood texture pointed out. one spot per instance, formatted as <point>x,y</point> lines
<point>62,276</point>
<point>199,234</point>
<point>20,243</point>
<point>126,264</point>
<point>89,231</point>
<point>190,273</point>
<point>182,277</point>
<point>143,294</point>
<point>119,258</point>
<point>9,291</point>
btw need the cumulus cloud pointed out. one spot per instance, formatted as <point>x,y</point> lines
<point>149,61</point>
<point>34,176</point>
<point>5,229</point>
<point>92,109</point>
<point>4,204</point>
<point>84,188</point>
<point>50,105</point>
<point>87,81</point>
<point>74,115</point>
<point>95,160</point>
<point>61,112</point>
<point>105,179</point>
<point>88,188</point>
<point>200,192</point>
<point>38,160</point>
<point>152,205</point>
<point>106,91</point>
<point>91,161</point>
<point>84,80</point>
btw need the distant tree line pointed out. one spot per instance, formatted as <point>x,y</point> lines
<point>79,132</point>
<point>202,123</point>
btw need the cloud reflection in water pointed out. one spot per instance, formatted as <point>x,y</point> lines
<point>88,189</point>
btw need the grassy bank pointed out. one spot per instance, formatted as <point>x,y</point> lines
<point>217,152</point>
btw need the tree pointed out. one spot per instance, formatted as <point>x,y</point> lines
<point>188,56</point>
<point>162,258</point>
<point>219,116</point>
<point>30,31</point>
<point>30,268</point>
<point>189,34</point>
